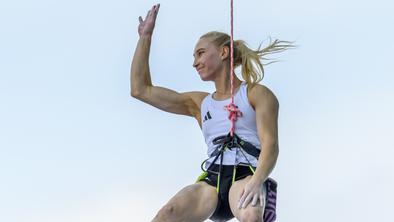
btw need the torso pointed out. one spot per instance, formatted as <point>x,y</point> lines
<point>200,97</point>
<point>214,121</point>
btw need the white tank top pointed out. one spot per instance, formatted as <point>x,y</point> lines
<point>215,122</point>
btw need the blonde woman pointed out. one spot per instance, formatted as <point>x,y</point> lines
<point>235,182</point>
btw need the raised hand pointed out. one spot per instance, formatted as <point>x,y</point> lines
<point>146,26</point>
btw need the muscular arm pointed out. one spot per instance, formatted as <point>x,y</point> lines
<point>266,106</point>
<point>140,79</point>
<point>165,99</point>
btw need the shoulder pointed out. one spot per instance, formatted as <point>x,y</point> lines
<point>260,95</point>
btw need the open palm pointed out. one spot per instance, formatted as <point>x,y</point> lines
<point>146,26</point>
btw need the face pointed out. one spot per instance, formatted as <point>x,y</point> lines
<point>208,59</point>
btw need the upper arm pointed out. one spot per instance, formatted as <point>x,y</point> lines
<point>168,100</point>
<point>266,106</point>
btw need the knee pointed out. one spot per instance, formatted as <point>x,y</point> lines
<point>167,213</point>
<point>251,216</point>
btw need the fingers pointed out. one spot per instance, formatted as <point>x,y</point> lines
<point>147,15</point>
<point>153,11</point>
<point>255,199</point>
<point>247,200</point>
<point>262,200</point>
<point>241,200</point>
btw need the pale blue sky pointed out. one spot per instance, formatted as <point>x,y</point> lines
<point>75,147</point>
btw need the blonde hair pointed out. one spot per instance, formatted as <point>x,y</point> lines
<point>250,60</point>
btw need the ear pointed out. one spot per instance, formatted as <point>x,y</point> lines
<point>225,52</point>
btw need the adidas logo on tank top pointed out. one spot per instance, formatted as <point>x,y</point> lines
<point>207,116</point>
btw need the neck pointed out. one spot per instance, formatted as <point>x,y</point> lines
<point>223,83</point>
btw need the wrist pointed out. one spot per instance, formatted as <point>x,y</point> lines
<point>259,177</point>
<point>146,37</point>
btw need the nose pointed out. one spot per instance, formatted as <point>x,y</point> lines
<point>195,63</point>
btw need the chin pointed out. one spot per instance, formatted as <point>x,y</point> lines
<point>205,78</point>
<point>202,77</point>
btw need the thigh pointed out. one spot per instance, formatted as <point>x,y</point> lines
<point>196,202</point>
<point>234,196</point>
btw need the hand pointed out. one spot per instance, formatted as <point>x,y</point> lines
<point>145,28</point>
<point>252,192</point>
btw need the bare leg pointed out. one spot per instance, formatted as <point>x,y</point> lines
<point>194,203</point>
<point>250,213</point>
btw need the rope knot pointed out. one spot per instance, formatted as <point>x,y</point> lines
<point>234,112</point>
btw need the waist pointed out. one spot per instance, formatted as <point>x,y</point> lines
<point>228,170</point>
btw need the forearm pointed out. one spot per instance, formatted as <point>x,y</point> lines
<point>267,160</point>
<point>139,74</point>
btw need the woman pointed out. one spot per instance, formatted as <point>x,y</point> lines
<point>236,182</point>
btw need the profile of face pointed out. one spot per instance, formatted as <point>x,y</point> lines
<point>209,59</point>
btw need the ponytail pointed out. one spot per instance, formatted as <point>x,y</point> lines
<point>250,60</point>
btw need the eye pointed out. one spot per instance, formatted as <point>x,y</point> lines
<point>200,53</point>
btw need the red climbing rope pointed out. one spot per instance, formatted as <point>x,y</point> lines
<point>234,113</point>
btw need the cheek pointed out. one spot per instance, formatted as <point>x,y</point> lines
<point>212,61</point>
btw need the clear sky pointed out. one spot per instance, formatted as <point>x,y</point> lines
<point>75,147</point>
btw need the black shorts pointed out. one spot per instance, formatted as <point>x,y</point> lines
<point>223,211</point>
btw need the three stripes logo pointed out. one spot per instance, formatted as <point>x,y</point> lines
<point>207,116</point>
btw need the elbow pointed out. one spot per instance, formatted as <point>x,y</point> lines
<point>273,149</point>
<point>135,94</point>
<point>276,149</point>
<point>273,153</point>
<point>139,92</point>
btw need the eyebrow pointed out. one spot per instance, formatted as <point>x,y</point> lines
<point>194,54</point>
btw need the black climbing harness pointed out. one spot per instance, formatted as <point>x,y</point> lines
<point>224,143</point>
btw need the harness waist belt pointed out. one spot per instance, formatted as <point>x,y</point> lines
<point>229,142</point>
